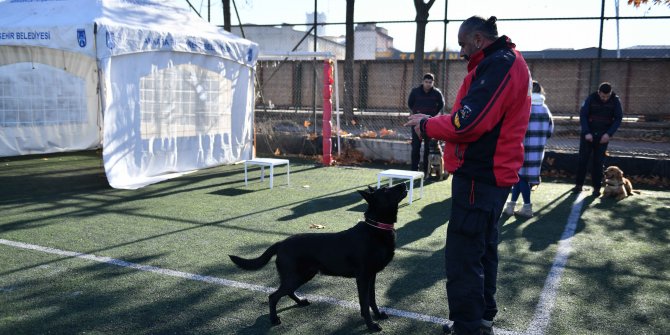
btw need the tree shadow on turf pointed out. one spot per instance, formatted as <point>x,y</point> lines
<point>432,217</point>
<point>546,227</point>
<point>424,267</point>
<point>636,216</point>
<point>325,204</point>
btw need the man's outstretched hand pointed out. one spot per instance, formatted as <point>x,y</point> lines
<point>414,121</point>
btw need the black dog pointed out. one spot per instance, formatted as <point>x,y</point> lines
<point>358,252</point>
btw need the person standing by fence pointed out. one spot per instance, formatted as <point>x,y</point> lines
<point>540,128</point>
<point>483,137</point>
<point>428,100</point>
<point>599,117</point>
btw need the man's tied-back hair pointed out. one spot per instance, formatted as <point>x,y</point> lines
<point>487,28</point>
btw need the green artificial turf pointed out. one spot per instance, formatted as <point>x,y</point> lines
<point>616,275</point>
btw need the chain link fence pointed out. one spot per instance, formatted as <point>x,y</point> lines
<point>288,117</point>
<point>289,100</point>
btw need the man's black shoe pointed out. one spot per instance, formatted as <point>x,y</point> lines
<point>483,330</point>
<point>486,330</point>
<point>448,330</point>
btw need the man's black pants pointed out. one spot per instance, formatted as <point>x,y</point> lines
<point>416,151</point>
<point>472,252</point>
<point>586,151</point>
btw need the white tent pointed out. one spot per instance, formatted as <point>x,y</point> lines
<point>160,89</point>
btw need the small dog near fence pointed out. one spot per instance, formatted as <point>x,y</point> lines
<point>616,185</point>
<point>436,161</point>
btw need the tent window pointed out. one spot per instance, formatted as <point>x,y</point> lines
<point>40,95</point>
<point>185,100</point>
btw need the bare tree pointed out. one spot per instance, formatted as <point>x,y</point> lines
<point>348,103</point>
<point>421,19</point>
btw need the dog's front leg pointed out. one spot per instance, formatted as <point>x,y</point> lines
<point>373,300</point>
<point>363,285</point>
<point>627,190</point>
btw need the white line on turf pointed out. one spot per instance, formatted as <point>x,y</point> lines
<point>540,321</point>
<point>214,280</point>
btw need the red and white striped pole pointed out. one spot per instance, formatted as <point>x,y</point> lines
<point>327,110</point>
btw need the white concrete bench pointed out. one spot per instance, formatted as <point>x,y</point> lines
<point>402,174</point>
<point>271,162</point>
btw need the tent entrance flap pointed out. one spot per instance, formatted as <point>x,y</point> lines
<point>48,101</point>
<point>177,112</point>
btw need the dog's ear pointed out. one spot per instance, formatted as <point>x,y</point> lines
<point>367,194</point>
<point>617,172</point>
<point>370,189</point>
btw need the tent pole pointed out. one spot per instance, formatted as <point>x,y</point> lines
<point>237,13</point>
<point>193,8</point>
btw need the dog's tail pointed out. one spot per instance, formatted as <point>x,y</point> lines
<point>258,262</point>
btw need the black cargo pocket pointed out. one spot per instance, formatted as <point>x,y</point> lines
<point>470,222</point>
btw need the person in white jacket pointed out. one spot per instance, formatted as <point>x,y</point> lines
<point>540,128</point>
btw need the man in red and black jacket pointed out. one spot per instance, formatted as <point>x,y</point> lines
<point>484,136</point>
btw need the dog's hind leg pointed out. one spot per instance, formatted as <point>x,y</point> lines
<point>373,301</point>
<point>299,279</point>
<point>290,280</point>
<point>298,300</point>
<point>273,300</point>
<point>363,285</point>
<point>284,289</point>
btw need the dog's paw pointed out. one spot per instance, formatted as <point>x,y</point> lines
<point>374,327</point>
<point>381,316</point>
<point>275,321</point>
<point>303,302</point>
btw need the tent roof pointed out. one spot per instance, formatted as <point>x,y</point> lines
<point>124,26</point>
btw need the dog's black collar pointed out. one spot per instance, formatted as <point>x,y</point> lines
<point>608,183</point>
<point>380,225</point>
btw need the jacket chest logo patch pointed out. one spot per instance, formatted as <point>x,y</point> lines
<point>465,112</point>
<point>462,114</point>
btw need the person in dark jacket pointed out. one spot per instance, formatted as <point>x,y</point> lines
<point>483,136</point>
<point>599,117</point>
<point>424,99</point>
